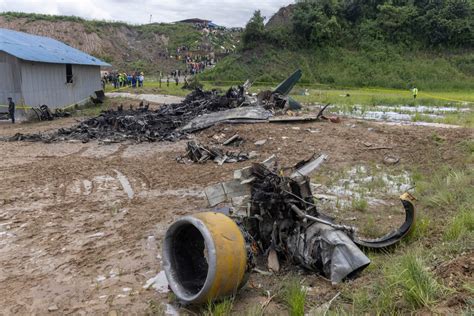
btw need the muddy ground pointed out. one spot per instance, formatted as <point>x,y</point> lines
<point>74,239</point>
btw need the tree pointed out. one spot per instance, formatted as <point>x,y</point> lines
<point>254,31</point>
<point>317,23</point>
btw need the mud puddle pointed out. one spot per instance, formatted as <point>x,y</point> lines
<point>414,115</point>
<point>372,184</point>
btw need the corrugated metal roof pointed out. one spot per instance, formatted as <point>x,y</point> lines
<point>43,49</point>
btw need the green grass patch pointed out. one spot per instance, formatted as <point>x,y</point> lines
<point>411,278</point>
<point>461,225</point>
<point>420,229</point>
<point>360,204</point>
<point>294,296</point>
<point>222,308</point>
<point>465,119</point>
<point>452,190</point>
<point>376,298</point>
<point>371,229</point>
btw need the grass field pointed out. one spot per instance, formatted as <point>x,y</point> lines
<point>322,93</point>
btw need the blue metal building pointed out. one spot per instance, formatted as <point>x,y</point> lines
<point>38,70</point>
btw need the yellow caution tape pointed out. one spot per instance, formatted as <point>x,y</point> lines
<point>118,89</point>
<point>420,94</point>
<point>441,98</point>
<point>17,107</point>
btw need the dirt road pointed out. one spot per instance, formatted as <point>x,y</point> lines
<point>157,98</point>
<point>81,225</point>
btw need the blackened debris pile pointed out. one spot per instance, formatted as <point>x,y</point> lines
<point>200,154</point>
<point>141,124</point>
<point>199,110</point>
<point>43,113</point>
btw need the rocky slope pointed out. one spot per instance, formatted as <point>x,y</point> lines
<point>127,47</point>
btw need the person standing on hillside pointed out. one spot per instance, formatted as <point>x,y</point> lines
<point>11,109</point>
<point>415,92</point>
<point>141,78</point>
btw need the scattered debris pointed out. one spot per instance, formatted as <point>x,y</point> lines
<point>262,272</point>
<point>378,148</point>
<point>125,184</point>
<point>53,308</point>
<point>260,142</point>
<point>200,154</point>
<point>292,119</point>
<point>273,262</point>
<point>159,283</point>
<point>324,308</point>
<point>253,154</point>
<point>280,220</point>
<point>391,160</point>
<point>249,114</point>
<point>235,140</point>
<point>43,113</point>
<point>98,97</point>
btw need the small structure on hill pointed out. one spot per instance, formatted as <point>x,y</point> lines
<point>200,22</point>
<point>38,70</point>
<point>195,21</point>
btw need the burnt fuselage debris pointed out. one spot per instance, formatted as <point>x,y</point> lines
<point>199,110</point>
<point>140,124</point>
<point>279,212</point>
<point>200,154</point>
<point>43,113</point>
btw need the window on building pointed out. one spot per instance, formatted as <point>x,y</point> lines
<point>68,73</point>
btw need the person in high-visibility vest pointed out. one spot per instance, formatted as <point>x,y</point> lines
<point>415,92</point>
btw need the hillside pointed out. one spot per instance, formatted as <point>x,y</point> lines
<point>351,43</point>
<point>127,47</point>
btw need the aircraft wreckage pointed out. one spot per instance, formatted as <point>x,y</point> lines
<point>272,215</point>
<point>199,110</point>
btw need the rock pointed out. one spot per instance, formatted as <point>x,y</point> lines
<point>273,263</point>
<point>391,160</point>
<point>53,308</point>
<point>260,142</point>
<point>253,154</point>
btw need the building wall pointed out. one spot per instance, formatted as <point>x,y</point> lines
<point>43,83</point>
<point>10,79</point>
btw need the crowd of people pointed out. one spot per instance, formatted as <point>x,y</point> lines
<point>119,80</point>
<point>198,64</point>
